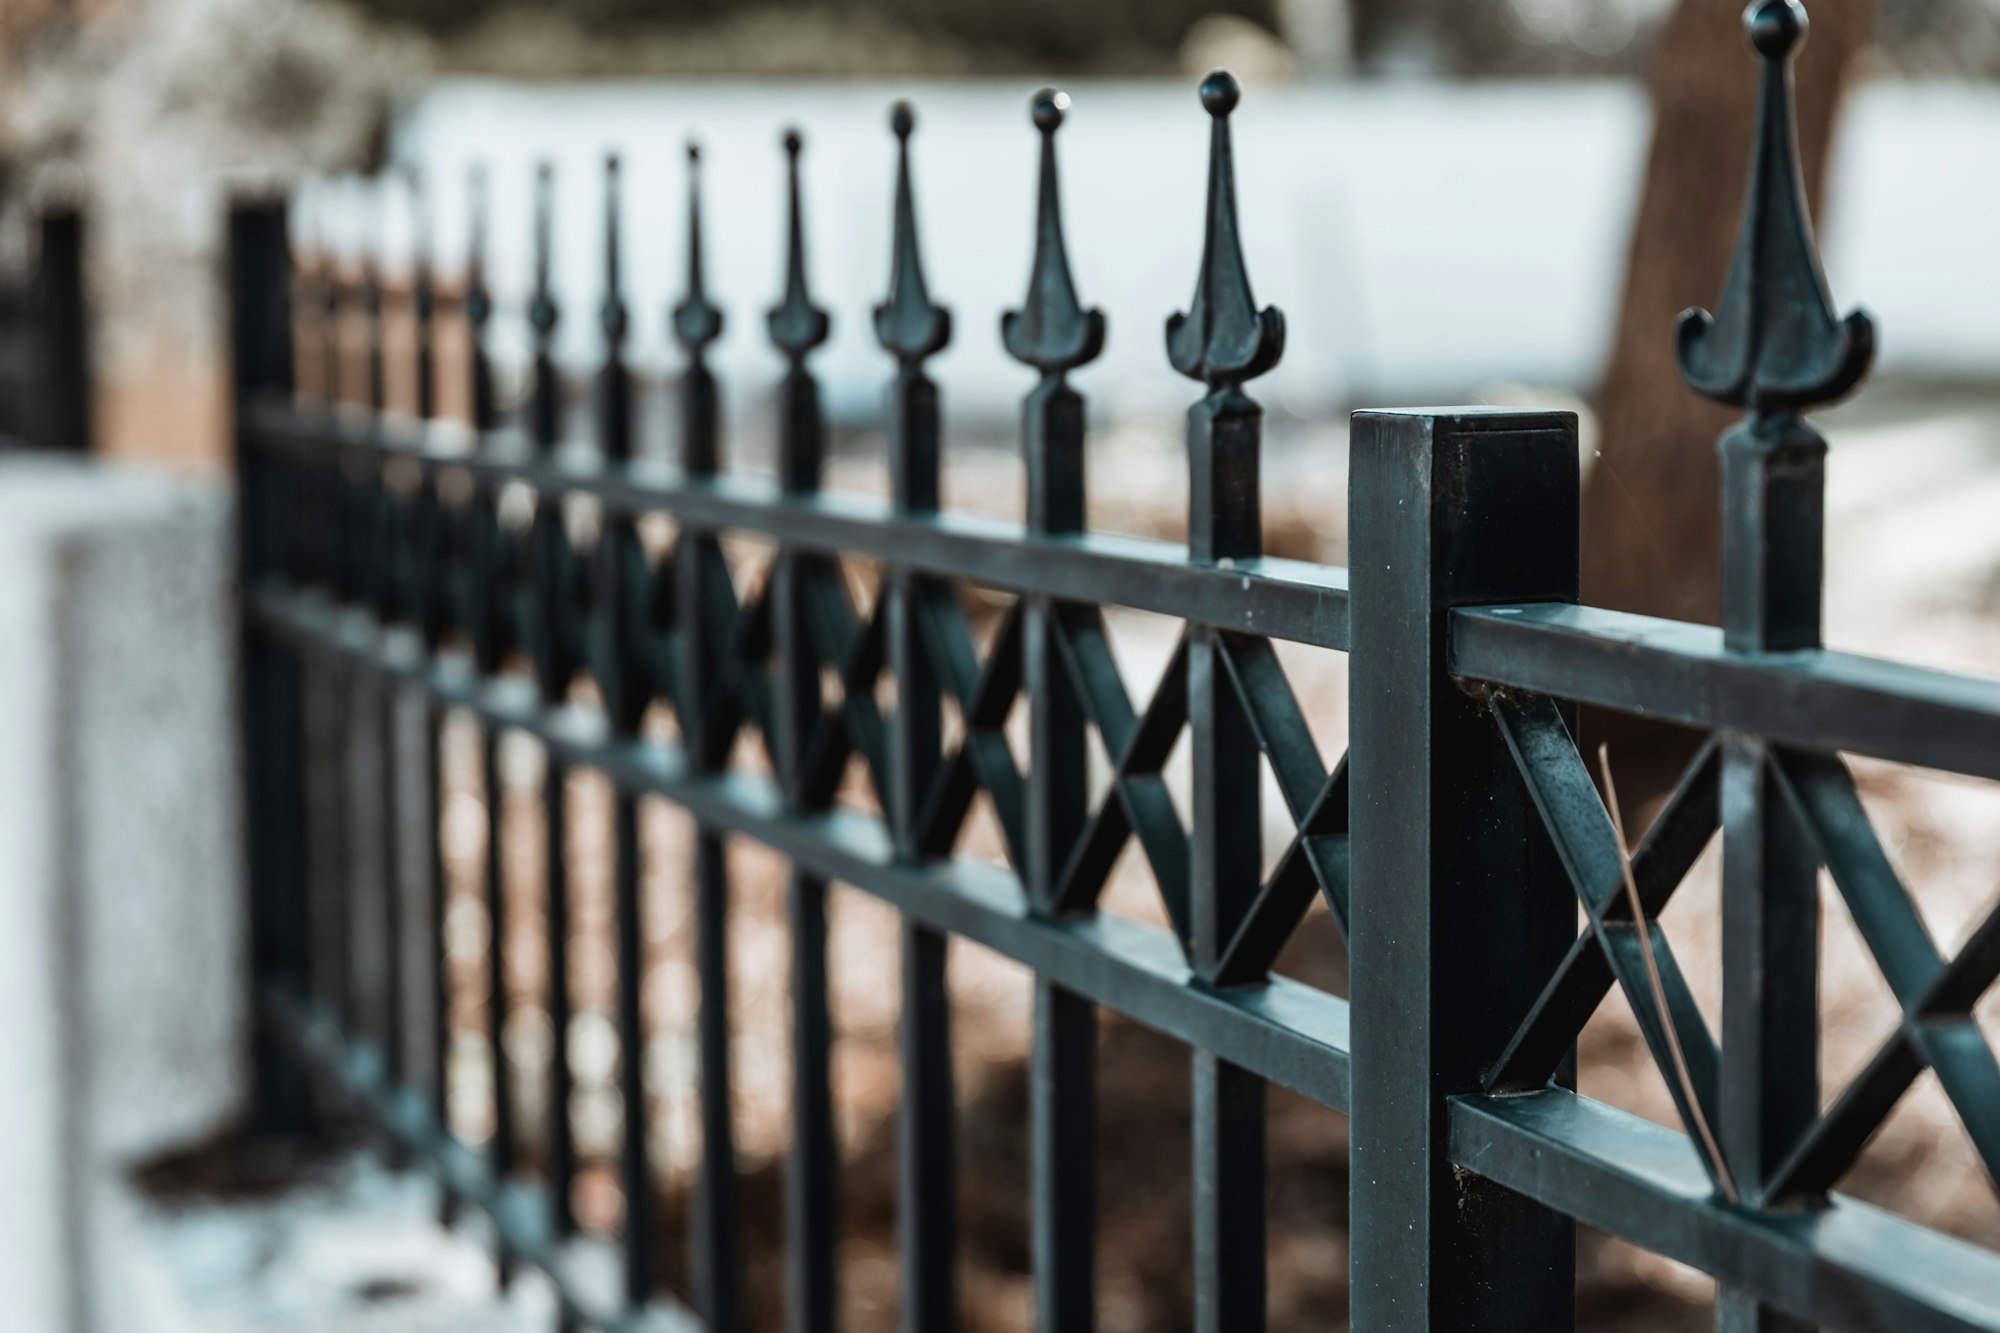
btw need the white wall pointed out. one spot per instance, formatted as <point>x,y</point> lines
<point>122,946</point>
<point>1423,239</point>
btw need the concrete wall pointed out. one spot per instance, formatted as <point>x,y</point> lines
<point>122,947</point>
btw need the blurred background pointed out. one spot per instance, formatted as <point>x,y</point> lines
<point>1452,200</point>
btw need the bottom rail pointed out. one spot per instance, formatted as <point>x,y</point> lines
<point>584,1272</point>
<point>1848,1266</point>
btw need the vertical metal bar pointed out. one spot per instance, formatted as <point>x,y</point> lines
<point>622,678</point>
<point>500,1151</point>
<point>716,1226</point>
<point>65,334</point>
<point>394,1038</point>
<point>796,327</point>
<point>1055,334</point>
<point>1228,1128</point>
<point>1223,340</point>
<point>440,968</point>
<point>1776,347</point>
<point>635,1175</point>
<point>555,657</point>
<point>273,718</point>
<point>491,568</point>
<point>908,325</point>
<point>561,1145</point>
<point>1460,909</point>
<point>431,586</point>
<point>1773,477</point>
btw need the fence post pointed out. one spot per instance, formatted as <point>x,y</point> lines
<point>65,333</point>
<point>1460,909</point>
<point>273,719</point>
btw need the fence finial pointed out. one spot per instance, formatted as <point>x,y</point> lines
<point>1051,331</point>
<point>479,310</point>
<point>795,323</point>
<point>697,323</point>
<point>545,407</point>
<point>423,292</point>
<point>612,313</point>
<point>907,324</point>
<point>372,302</point>
<point>1223,339</point>
<point>1775,343</point>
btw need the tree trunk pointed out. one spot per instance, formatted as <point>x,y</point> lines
<point>1651,539</point>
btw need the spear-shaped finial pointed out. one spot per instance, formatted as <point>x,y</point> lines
<point>423,293</point>
<point>612,313</point>
<point>544,399</point>
<point>1051,331</point>
<point>614,382</point>
<point>371,294</point>
<point>697,323</point>
<point>795,323</point>
<point>907,324</point>
<point>479,310</point>
<point>1223,339</point>
<point>1774,344</point>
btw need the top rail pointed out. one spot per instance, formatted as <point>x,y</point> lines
<point>1813,698</point>
<point>1294,600</point>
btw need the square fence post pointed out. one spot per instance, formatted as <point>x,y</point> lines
<point>273,711</point>
<point>1460,908</point>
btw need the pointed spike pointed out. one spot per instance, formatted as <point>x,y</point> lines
<point>1775,344</point>
<point>696,322</point>
<point>907,324</point>
<point>479,310</point>
<point>1223,339</point>
<point>478,302</point>
<point>542,311</point>
<point>1051,331</point>
<point>612,314</point>
<point>375,205</point>
<point>423,292</point>
<point>796,324</point>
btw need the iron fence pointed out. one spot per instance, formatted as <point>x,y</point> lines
<point>44,348</point>
<point>1458,844</point>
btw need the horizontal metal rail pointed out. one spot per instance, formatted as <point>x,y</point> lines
<point>1289,1033</point>
<point>1850,1267</point>
<point>1847,1266</point>
<point>519,1213</point>
<point>1270,597</point>
<point>1814,699</point>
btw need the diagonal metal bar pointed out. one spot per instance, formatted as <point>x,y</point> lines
<point>1086,654</point>
<point>1969,974</point>
<point>1277,720</point>
<point>1683,828</point>
<point>860,652</point>
<point>1316,860</point>
<point>1821,793</point>
<point>1138,803</point>
<point>1830,1146</point>
<point>985,695</point>
<point>743,691</point>
<point>1587,845</point>
<point>1956,1050</point>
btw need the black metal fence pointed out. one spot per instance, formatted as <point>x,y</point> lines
<point>44,348</point>
<point>1458,845</point>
